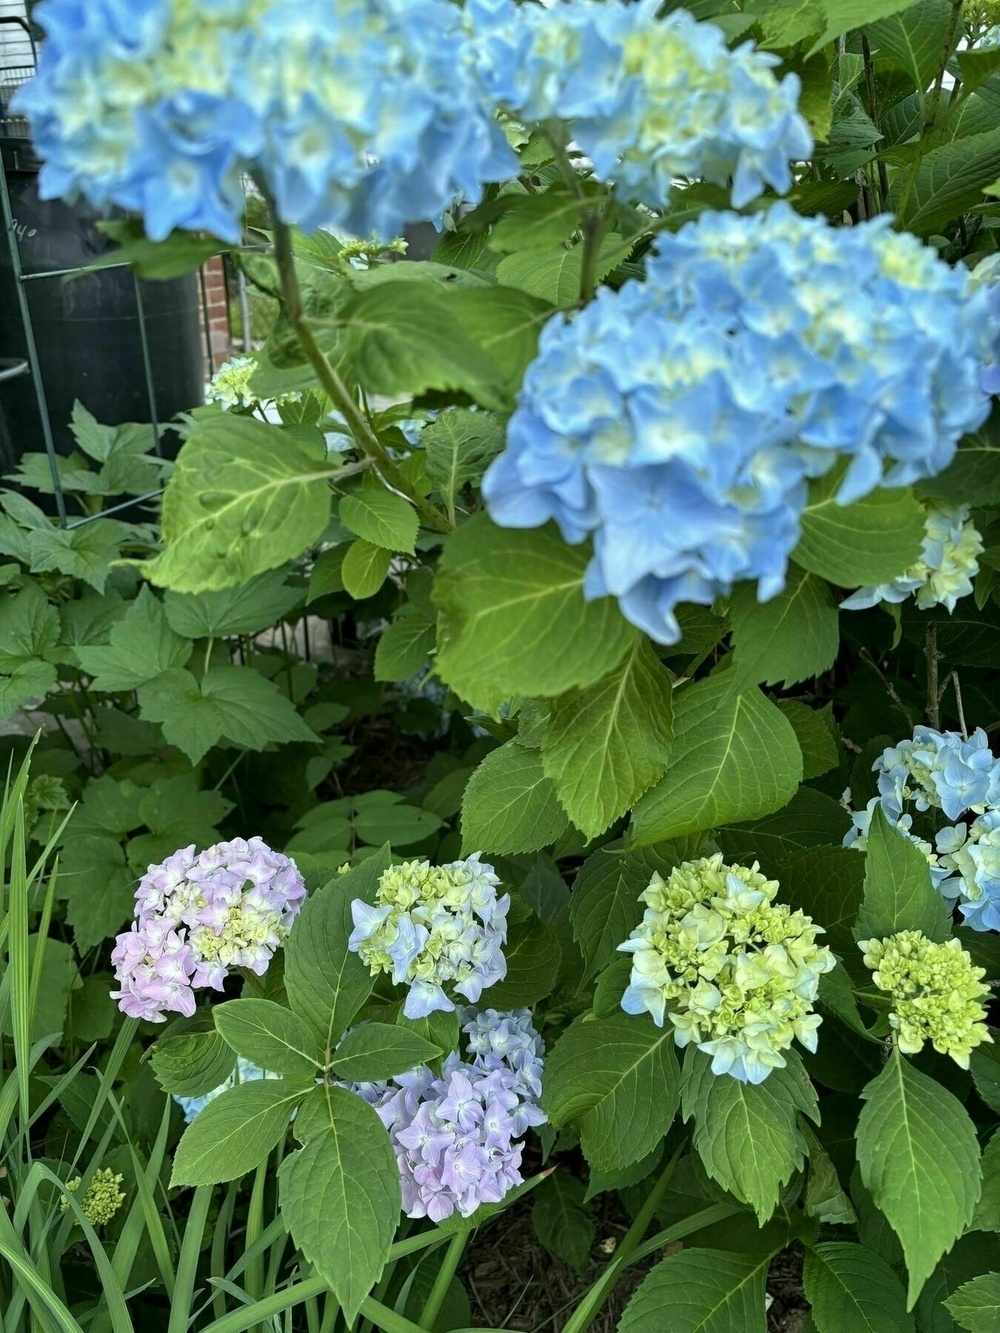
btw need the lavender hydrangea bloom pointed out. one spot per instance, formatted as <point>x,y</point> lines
<point>432,926</point>
<point>456,1136</point>
<point>199,915</point>
<point>361,114</point>
<point>648,99</point>
<point>678,420</point>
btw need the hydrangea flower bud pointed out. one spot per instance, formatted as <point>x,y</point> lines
<point>102,1197</point>
<point>937,993</point>
<point>355,114</point>
<point>198,916</point>
<point>678,419</point>
<point>456,1136</point>
<point>434,926</point>
<point>944,572</point>
<point>735,972</point>
<point>244,1072</point>
<point>648,99</point>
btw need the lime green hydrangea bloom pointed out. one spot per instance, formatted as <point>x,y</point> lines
<point>102,1197</point>
<point>937,993</point>
<point>736,972</point>
<point>230,386</point>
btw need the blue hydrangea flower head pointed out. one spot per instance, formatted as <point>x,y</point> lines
<point>434,926</point>
<point>245,1072</point>
<point>355,114</point>
<point>735,972</point>
<point>647,99</point>
<point>679,419</point>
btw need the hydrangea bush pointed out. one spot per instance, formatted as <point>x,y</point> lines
<point>679,884</point>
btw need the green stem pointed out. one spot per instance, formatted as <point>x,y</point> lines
<point>335,388</point>
<point>934,103</point>
<point>933,688</point>
<point>449,1266</point>
<point>595,229</point>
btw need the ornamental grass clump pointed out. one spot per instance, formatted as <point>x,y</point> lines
<point>937,994</point>
<point>199,916</point>
<point>735,972</point>
<point>434,926</point>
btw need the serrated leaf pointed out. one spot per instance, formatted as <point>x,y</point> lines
<point>509,805</point>
<point>537,221</point>
<point>825,1198</point>
<point>380,517</point>
<point>919,1158</point>
<point>840,16</point>
<point>533,955</point>
<point>701,1291</point>
<point>865,543</point>
<point>748,1135</point>
<point>814,735</point>
<point>975,1306</point>
<point>27,681</point>
<point>269,1035</point>
<point>561,1220</point>
<point>364,569</point>
<point>975,469</point>
<point>404,647</point>
<point>235,1132</point>
<point>985,1066</point>
<point>83,552</point>
<point>828,884</point>
<point>244,497</point>
<point>950,180</point>
<point>234,703</point>
<point>192,1064</point>
<point>810,819</point>
<point>616,1079</point>
<point>987,1214</point>
<point>376,1051</point>
<point>99,888</point>
<point>513,619</point>
<point>606,745</point>
<point>457,447</point>
<point>29,627</point>
<point>555,275</point>
<point>326,983</point>
<point>340,1197</point>
<point>793,637</point>
<point>899,894</point>
<point>735,758</point>
<point>852,1287</point>
<point>141,646</point>
<point>245,609</point>
<point>915,39</point>
<point>604,906</point>
<point>505,323</point>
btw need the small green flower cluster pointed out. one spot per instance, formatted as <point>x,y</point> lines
<point>736,972</point>
<point>937,993</point>
<point>102,1197</point>
<point>230,386</point>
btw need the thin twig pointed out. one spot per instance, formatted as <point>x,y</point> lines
<point>890,689</point>
<point>958,700</point>
<point>933,688</point>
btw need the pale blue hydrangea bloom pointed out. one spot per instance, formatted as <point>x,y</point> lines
<point>941,771</point>
<point>678,419</point>
<point>457,1135</point>
<point>245,1072</point>
<point>648,99</point>
<point>944,572</point>
<point>434,926</point>
<point>735,972</point>
<point>355,114</point>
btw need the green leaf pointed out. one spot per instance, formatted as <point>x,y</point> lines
<point>84,552</point>
<point>985,1066</point>
<point>340,1196</point>
<point>513,619</point>
<point>735,758</point>
<point>840,16</point>
<point>919,1159</point>
<point>865,543</point>
<point>538,221</point>
<point>235,1132</point>
<point>29,628</point>
<point>326,983</point>
<point>793,637</point>
<point>533,956</point>
<point>810,819</point>
<point>975,1306</point>
<point>404,647</point>
<point>505,323</point>
<point>380,517</point>
<point>899,894</point>
<point>987,1214</point>
<point>192,1064</point>
<point>27,681</point>
<point>824,1197</point>
<point>828,884</point>
<point>975,469</point>
<point>140,647</point>
<point>326,576</point>
<point>814,735</point>
<point>244,497</point>
<point>181,252</point>
<point>606,745</point>
<point>701,1291</point>
<point>604,906</point>
<point>245,609</point>
<point>99,888</point>
<point>555,274</point>
<point>748,1135</point>
<point>852,1287</point>
<point>617,1079</point>
<point>509,805</point>
<point>406,338</point>
<point>234,703</point>
<point>950,180</point>
<point>457,447</point>
<point>376,1051</point>
<point>364,569</point>
<point>270,1035</point>
<point>561,1220</point>
<point>915,40</point>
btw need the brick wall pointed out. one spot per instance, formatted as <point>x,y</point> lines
<point>216,308</point>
